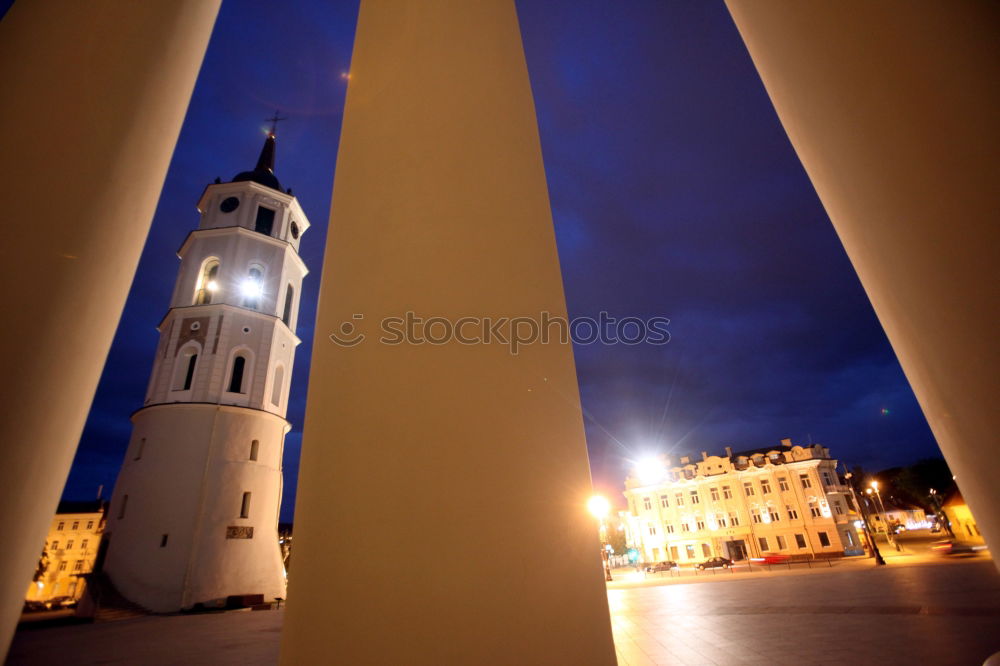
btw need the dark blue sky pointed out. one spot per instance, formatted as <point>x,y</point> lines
<point>674,192</point>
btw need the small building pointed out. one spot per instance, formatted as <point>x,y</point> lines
<point>963,523</point>
<point>785,500</point>
<point>70,551</point>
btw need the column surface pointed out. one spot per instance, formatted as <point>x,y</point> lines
<point>93,99</point>
<point>441,512</point>
<point>891,107</point>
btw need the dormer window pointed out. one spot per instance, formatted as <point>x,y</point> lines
<point>265,221</point>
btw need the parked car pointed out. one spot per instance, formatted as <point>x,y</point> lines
<point>770,558</point>
<point>954,547</point>
<point>935,528</point>
<point>666,565</point>
<point>715,563</point>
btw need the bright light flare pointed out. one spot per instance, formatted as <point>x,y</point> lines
<point>650,470</point>
<point>598,506</point>
<point>212,286</point>
<point>252,288</point>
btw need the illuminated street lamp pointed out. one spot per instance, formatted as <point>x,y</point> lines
<point>599,507</point>
<point>879,560</point>
<point>885,516</point>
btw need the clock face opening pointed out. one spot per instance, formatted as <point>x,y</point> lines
<point>229,204</point>
<point>295,230</point>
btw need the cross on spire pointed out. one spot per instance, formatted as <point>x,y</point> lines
<point>274,120</point>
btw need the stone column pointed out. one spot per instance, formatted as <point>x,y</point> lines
<point>441,512</point>
<point>94,94</point>
<point>891,106</point>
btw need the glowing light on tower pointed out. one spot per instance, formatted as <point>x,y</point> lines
<point>650,470</point>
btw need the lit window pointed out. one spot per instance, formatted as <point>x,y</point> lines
<point>208,283</point>
<point>765,486</point>
<point>646,503</point>
<point>253,288</point>
<point>664,502</point>
<point>254,449</point>
<point>783,483</point>
<point>781,542</point>
<point>763,544</point>
<point>814,510</point>
<point>245,506</point>
<point>849,537</point>
<point>715,494</point>
<point>824,540</point>
<point>748,489</point>
<point>800,541</point>
<point>806,483</point>
<point>727,492</point>
<point>694,497</point>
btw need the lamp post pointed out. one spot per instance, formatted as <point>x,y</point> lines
<point>879,560</point>
<point>885,517</point>
<point>939,513</point>
<point>599,507</point>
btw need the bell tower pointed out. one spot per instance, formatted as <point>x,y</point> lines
<point>194,513</point>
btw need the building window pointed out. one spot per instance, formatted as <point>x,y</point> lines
<point>701,524</point>
<point>748,489</point>
<point>690,551</point>
<point>62,566</point>
<point>253,288</point>
<point>792,513</point>
<point>245,506</point>
<point>646,503</point>
<point>754,516</point>
<point>55,545</point>
<point>69,545</point>
<point>163,540</point>
<point>715,494</point>
<point>254,449</point>
<point>685,527</point>
<point>838,509</point>
<point>138,455</point>
<point>734,519</point>
<point>83,544</point>
<point>720,518</point>
<point>673,553</point>
<point>806,483</point>
<point>800,541</point>
<point>189,373</point>
<point>849,537</point>
<point>78,565</point>
<point>121,510</point>
<point>763,544</point>
<point>783,483</point>
<point>60,525</point>
<point>705,550</point>
<point>814,510</point>
<point>765,487</point>
<point>264,223</point>
<point>664,502</point>
<point>652,530</point>
<point>279,379</point>
<point>236,378</point>
<point>775,515</point>
<point>184,367</point>
<point>90,524</point>
<point>727,492</point>
<point>76,525</point>
<point>827,479</point>
<point>670,529</point>
<point>208,282</point>
<point>286,316</point>
<point>824,540</point>
<point>679,499</point>
<point>694,497</point>
<point>781,542</point>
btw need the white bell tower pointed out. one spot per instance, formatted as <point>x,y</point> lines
<point>193,518</point>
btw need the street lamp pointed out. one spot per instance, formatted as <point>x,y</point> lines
<point>599,507</point>
<point>885,517</point>
<point>879,560</point>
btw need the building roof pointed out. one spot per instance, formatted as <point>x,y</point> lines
<point>263,173</point>
<point>90,506</point>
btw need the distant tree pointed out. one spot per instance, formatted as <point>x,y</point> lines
<point>616,537</point>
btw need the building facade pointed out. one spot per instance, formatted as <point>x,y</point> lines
<point>194,514</point>
<point>784,500</point>
<point>70,551</point>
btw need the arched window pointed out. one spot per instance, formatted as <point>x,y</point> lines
<point>289,298</point>
<point>207,282</point>
<point>184,368</point>
<point>236,378</point>
<point>253,287</point>
<point>279,379</point>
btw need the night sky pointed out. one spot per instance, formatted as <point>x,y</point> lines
<point>674,191</point>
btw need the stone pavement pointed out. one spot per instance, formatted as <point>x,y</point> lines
<point>942,613</point>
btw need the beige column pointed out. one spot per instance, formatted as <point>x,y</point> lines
<point>93,98</point>
<point>891,106</point>
<point>441,512</point>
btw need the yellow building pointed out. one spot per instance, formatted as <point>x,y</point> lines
<point>784,500</point>
<point>963,523</point>
<point>70,551</point>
